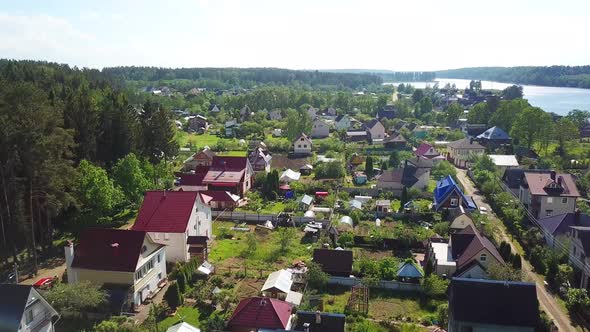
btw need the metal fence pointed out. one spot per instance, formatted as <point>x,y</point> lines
<point>259,218</point>
<point>383,284</point>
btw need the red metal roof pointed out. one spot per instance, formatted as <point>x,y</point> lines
<point>216,196</point>
<point>188,179</point>
<point>108,250</point>
<point>261,313</point>
<point>423,149</point>
<point>165,212</point>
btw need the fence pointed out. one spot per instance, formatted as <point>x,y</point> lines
<point>373,192</point>
<point>260,218</point>
<point>383,284</point>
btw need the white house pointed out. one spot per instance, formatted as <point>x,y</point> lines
<point>23,309</point>
<point>320,129</point>
<point>302,145</point>
<point>118,257</point>
<point>171,217</point>
<point>375,130</point>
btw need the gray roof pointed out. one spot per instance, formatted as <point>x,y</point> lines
<point>464,144</point>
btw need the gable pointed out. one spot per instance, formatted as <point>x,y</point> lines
<point>461,222</point>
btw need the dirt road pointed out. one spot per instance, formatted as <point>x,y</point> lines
<point>547,300</point>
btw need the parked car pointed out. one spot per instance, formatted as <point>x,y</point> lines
<point>483,210</point>
<point>44,283</point>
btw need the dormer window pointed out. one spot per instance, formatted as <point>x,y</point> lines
<point>143,249</point>
<point>483,257</point>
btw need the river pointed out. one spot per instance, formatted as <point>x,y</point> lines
<point>551,99</point>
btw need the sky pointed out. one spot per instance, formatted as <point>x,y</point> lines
<point>410,35</point>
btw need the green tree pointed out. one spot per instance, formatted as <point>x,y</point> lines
<point>173,296</point>
<point>442,314</point>
<point>512,92</point>
<point>563,131</point>
<point>130,176</point>
<point>498,271</point>
<point>479,113</point>
<point>453,112</point>
<point>443,169</point>
<point>577,299</point>
<point>394,159</point>
<point>299,122</point>
<point>96,190</point>
<point>580,118</point>
<point>79,297</point>
<point>507,112</point>
<point>442,228</point>
<point>181,281</point>
<point>530,125</point>
<point>316,278</point>
<point>346,239</point>
<point>251,244</point>
<point>285,235</point>
<point>417,95</point>
<point>369,166</point>
<point>435,286</point>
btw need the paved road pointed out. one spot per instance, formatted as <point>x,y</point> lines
<point>548,302</point>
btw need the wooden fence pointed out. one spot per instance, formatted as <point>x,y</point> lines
<point>383,284</point>
<point>260,218</point>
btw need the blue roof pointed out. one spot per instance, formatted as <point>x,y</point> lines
<point>494,133</point>
<point>445,187</point>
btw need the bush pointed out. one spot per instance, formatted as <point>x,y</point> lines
<point>442,314</point>
<point>434,286</point>
<point>316,278</point>
<point>577,299</point>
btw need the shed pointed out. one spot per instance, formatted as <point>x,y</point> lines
<point>347,221</point>
<point>306,200</point>
<point>306,169</point>
<point>290,176</point>
<point>409,271</point>
<point>278,284</point>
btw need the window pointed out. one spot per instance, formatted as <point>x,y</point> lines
<point>301,139</point>
<point>299,146</point>
<point>143,249</point>
<point>483,257</point>
<point>158,258</point>
<point>160,276</point>
<point>549,200</point>
<point>166,236</point>
<point>548,212</point>
<point>564,200</point>
<point>454,202</point>
<point>305,146</point>
<point>29,316</point>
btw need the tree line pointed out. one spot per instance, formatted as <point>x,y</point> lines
<point>564,76</point>
<point>245,77</point>
<point>63,132</point>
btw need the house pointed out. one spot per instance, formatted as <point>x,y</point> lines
<point>426,151</point>
<point>360,178</point>
<point>126,258</point>
<point>261,314</point>
<point>513,177</point>
<point>579,254</point>
<point>275,115</point>
<point>421,163</point>
<point>504,161</point>
<point>220,200</point>
<point>387,112</point>
<point>467,254</point>
<point>474,129</point>
<point>202,158</point>
<point>260,159</point>
<point>492,305</point>
<point>278,285</point>
<point>192,181</point>
<point>336,263</point>
<point>383,206</point>
<point>460,222</point>
<point>183,327</point>
<point>357,136</point>
<point>342,122</point>
<point>557,227</point>
<point>548,193</point>
<point>306,169</point>
<point>23,309</point>
<point>231,128</point>
<point>233,174</point>
<point>410,176</point>
<point>312,112</point>
<point>245,113</point>
<point>329,111</point>
<point>198,124</point>
<point>494,138</point>
<point>214,109</point>
<point>320,129</point>
<point>448,195</point>
<point>395,142</point>
<point>309,321</point>
<point>170,218</point>
<point>375,130</point>
<point>302,145</point>
<point>461,151</point>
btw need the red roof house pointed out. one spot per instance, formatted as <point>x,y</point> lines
<point>233,174</point>
<point>426,151</point>
<point>256,313</point>
<point>171,216</point>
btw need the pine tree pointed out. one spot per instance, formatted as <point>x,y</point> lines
<point>369,167</point>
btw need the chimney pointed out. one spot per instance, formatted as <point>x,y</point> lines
<point>318,317</point>
<point>577,217</point>
<point>553,175</point>
<point>69,254</point>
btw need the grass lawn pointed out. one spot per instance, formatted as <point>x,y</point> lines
<point>267,255</point>
<point>197,141</point>
<point>190,315</point>
<point>269,208</point>
<point>336,299</point>
<point>384,305</point>
<point>232,153</point>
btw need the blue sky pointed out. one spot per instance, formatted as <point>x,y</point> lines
<point>302,34</point>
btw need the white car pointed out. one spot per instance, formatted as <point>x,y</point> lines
<point>483,210</point>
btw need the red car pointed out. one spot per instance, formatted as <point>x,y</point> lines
<point>44,283</point>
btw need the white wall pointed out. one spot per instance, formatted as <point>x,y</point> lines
<point>149,282</point>
<point>305,146</point>
<point>41,312</point>
<point>176,247</point>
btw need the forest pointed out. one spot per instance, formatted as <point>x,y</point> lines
<point>224,78</point>
<point>73,152</point>
<point>392,76</point>
<point>560,76</point>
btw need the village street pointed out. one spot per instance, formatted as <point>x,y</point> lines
<point>547,300</point>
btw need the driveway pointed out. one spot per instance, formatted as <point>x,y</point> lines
<point>547,300</point>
